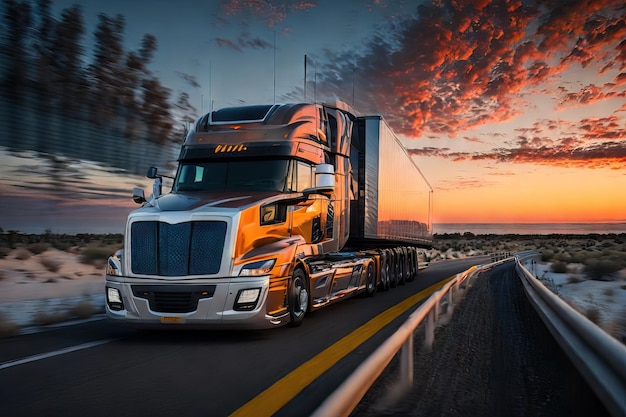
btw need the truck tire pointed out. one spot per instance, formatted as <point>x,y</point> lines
<point>385,270</point>
<point>394,267</point>
<point>412,262</point>
<point>299,295</point>
<point>402,279</point>
<point>370,280</point>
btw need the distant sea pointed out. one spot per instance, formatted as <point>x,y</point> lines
<point>529,228</point>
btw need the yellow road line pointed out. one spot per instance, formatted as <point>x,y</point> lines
<point>275,397</point>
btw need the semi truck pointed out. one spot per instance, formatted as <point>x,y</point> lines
<point>274,211</point>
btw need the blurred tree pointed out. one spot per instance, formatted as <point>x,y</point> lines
<point>18,20</point>
<point>105,71</point>
<point>134,75</point>
<point>188,112</point>
<point>42,58</point>
<point>156,111</point>
<point>68,64</point>
<point>44,51</point>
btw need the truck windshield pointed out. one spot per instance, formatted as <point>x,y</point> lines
<point>219,176</point>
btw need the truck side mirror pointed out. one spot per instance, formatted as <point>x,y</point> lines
<point>152,172</point>
<point>324,180</point>
<point>138,196</point>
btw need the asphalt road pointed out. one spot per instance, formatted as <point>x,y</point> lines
<point>495,357</point>
<point>99,370</point>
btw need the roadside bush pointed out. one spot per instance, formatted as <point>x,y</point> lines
<point>558,267</point>
<point>593,314</point>
<point>547,255</point>
<point>51,264</point>
<point>609,292</point>
<point>61,245</point>
<point>601,269</point>
<point>4,252</point>
<point>574,280</point>
<point>37,248</point>
<point>7,327</point>
<point>22,254</point>
<point>95,256</point>
<point>44,319</point>
<point>83,310</point>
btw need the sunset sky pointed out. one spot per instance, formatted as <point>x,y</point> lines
<point>515,111</point>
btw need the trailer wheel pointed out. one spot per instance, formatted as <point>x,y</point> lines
<point>394,261</point>
<point>412,264</point>
<point>384,270</point>
<point>402,272</point>
<point>370,280</point>
<point>298,297</point>
<point>416,263</point>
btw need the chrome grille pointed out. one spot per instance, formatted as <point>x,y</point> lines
<point>190,248</point>
<point>173,298</point>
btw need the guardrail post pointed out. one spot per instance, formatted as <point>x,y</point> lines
<point>406,363</point>
<point>429,331</point>
<point>450,308</point>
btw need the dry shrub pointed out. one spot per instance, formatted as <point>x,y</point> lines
<point>573,280</point>
<point>51,264</point>
<point>37,248</point>
<point>7,327</point>
<point>593,314</point>
<point>617,328</point>
<point>83,310</point>
<point>95,256</point>
<point>22,254</point>
<point>601,269</point>
<point>44,319</point>
<point>559,267</point>
<point>4,251</point>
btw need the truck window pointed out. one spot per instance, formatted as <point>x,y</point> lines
<point>221,176</point>
<point>304,176</point>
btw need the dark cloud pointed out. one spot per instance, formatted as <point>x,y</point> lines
<point>245,41</point>
<point>190,79</point>
<point>272,12</point>
<point>454,66</point>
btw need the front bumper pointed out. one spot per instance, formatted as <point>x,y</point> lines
<point>215,307</point>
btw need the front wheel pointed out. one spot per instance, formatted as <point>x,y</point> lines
<point>298,297</point>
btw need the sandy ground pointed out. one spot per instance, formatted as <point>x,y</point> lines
<point>31,294</point>
<point>603,302</point>
<point>493,357</point>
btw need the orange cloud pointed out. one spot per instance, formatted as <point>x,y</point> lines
<point>460,65</point>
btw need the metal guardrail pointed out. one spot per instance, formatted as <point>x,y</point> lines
<point>599,358</point>
<point>345,399</point>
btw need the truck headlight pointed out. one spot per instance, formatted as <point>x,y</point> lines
<point>114,299</point>
<point>247,299</point>
<point>255,269</point>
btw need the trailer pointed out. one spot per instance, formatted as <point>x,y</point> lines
<point>275,211</point>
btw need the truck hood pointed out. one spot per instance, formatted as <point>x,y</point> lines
<point>191,201</point>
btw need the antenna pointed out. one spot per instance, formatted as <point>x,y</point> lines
<point>210,86</point>
<point>315,84</point>
<point>274,66</point>
<point>305,78</point>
